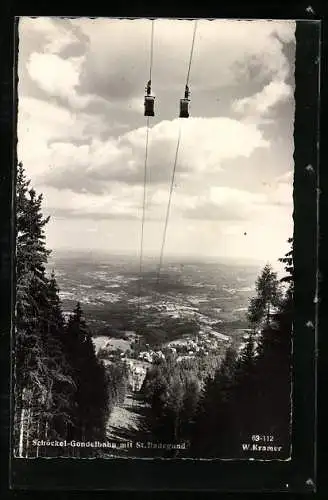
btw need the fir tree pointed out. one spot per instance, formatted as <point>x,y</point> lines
<point>192,391</point>
<point>288,279</point>
<point>266,385</point>
<point>267,297</point>
<point>275,360</point>
<point>91,403</point>
<point>38,356</point>
<point>214,428</point>
<point>171,392</point>
<point>250,393</point>
<point>60,414</point>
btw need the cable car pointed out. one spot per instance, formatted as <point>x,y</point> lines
<point>149,101</point>
<point>184,104</point>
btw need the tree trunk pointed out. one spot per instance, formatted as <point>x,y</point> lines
<point>29,413</point>
<point>68,450</point>
<point>37,436</point>
<point>46,429</point>
<point>176,424</point>
<point>21,432</point>
<point>268,313</point>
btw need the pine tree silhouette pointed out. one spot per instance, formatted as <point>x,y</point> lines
<point>38,357</point>
<point>91,403</point>
<point>251,393</point>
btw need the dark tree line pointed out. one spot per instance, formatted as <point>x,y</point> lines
<point>62,391</point>
<point>172,392</point>
<point>247,395</point>
<point>117,374</point>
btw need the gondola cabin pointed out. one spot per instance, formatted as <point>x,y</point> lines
<point>184,108</point>
<point>149,105</point>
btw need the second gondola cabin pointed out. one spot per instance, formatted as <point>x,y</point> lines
<point>149,101</point>
<point>149,105</point>
<point>184,108</point>
<point>184,104</point>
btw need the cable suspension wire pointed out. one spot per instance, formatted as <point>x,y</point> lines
<point>145,172</point>
<point>151,49</point>
<point>144,197</point>
<point>143,213</point>
<point>168,207</point>
<point>175,165</point>
<point>192,51</point>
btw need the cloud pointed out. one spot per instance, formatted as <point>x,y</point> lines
<point>59,79</point>
<point>45,128</point>
<point>282,194</point>
<point>224,203</point>
<point>230,51</point>
<point>54,35</point>
<point>211,203</point>
<point>54,75</point>
<point>262,102</point>
<point>205,143</point>
<point>121,203</point>
<point>286,177</point>
<point>70,213</point>
<point>81,133</point>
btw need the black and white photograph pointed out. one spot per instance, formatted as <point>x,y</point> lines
<point>154,239</point>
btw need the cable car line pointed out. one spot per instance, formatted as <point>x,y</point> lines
<point>168,207</point>
<point>192,51</point>
<point>144,197</point>
<point>149,111</point>
<point>184,102</point>
<point>150,99</point>
<point>151,49</point>
<point>184,113</point>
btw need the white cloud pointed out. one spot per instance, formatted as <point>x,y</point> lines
<point>220,203</point>
<point>221,195</point>
<point>54,75</point>
<point>59,78</point>
<point>205,143</point>
<point>231,204</point>
<point>283,194</point>
<point>229,51</point>
<point>286,177</point>
<point>41,123</point>
<point>226,203</point>
<point>122,202</point>
<point>262,102</point>
<point>279,192</point>
<point>54,34</point>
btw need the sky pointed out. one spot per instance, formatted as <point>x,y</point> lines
<point>82,133</point>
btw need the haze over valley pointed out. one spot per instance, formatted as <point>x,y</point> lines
<point>201,294</point>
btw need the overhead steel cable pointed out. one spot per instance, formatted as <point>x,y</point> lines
<point>168,206</point>
<point>192,51</point>
<point>145,174</point>
<point>151,49</point>
<point>143,211</point>
<point>174,166</point>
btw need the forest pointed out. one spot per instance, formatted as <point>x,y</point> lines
<point>247,394</point>
<point>215,408</point>
<point>63,391</point>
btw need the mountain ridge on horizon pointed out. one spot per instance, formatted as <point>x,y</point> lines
<point>70,252</point>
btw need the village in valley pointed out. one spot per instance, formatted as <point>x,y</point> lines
<point>138,356</point>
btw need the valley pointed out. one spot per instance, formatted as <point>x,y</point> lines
<point>192,315</point>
